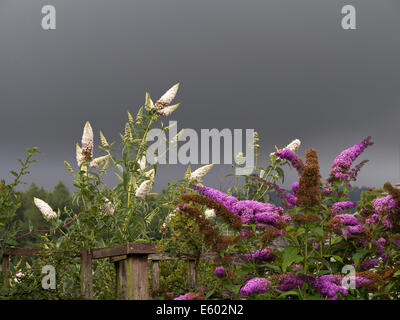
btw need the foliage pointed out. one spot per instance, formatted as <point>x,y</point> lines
<point>10,202</point>
<point>310,256</point>
<point>300,248</point>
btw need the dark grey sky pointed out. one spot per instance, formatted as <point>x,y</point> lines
<point>282,67</point>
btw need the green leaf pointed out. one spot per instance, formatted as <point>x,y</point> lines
<point>289,256</point>
<point>288,293</point>
<point>271,266</point>
<point>336,240</point>
<point>336,257</point>
<point>234,288</point>
<point>396,274</point>
<point>358,256</point>
<point>209,293</point>
<point>318,230</point>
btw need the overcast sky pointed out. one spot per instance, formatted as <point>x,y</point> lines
<point>283,67</point>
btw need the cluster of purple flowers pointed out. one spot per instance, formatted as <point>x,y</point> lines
<point>326,191</point>
<point>188,296</point>
<point>220,272</point>
<point>291,200</point>
<point>264,255</point>
<point>289,282</point>
<point>295,186</point>
<point>354,226</point>
<point>216,195</point>
<point>382,207</point>
<point>248,210</point>
<point>327,285</point>
<point>396,242</point>
<point>368,264</point>
<point>292,157</point>
<point>384,204</point>
<point>354,231</point>
<point>347,219</point>
<point>255,285</point>
<point>330,285</point>
<point>341,206</point>
<point>254,211</point>
<point>379,245</point>
<point>343,162</point>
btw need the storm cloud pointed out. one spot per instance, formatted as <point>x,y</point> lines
<point>285,68</point>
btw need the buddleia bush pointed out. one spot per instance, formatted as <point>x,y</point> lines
<point>312,245</point>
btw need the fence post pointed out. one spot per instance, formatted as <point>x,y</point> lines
<point>137,277</point>
<point>155,275</point>
<point>6,268</point>
<point>192,275</point>
<point>120,273</point>
<point>86,274</point>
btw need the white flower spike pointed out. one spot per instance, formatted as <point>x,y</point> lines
<point>142,163</point>
<point>210,213</point>
<point>150,174</point>
<point>87,142</point>
<point>98,161</point>
<point>201,172</point>
<point>106,208</point>
<point>79,156</point>
<point>144,189</point>
<point>167,97</point>
<point>45,209</point>
<point>239,158</point>
<point>168,110</point>
<point>294,145</point>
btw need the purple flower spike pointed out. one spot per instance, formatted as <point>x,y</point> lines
<point>354,230</point>
<point>341,206</point>
<point>189,296</point>
<point>342,163</point>
<point>255,285</point>
<point>289,155</point>
<point>368,264</point>
<point>295,186</point>
<point>259,256</point>
<point>346,219</point>
<point>289,282</point>
<point>220,272</point>
<point>384,204</point>
<point>291,199</point>
<point>249,211</point>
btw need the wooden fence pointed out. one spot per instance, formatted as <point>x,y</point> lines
<point>131,266</point>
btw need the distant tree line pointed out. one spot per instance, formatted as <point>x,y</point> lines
<point>29,217</point>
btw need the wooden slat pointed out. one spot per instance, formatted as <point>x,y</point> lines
<point>180,256</point>
<point>136,277</point>
<point>109,251</point>
<point>169,256</point>
<point>124,249</point>
<point>120,268</point>
<point>155,275</point>
<point>118,258</point>
<point>23,251</point>
<point>192,275</point>
<point>86,274</point>
<point>142,248</point>
<point>5,265</point>
<point>35,251</point>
